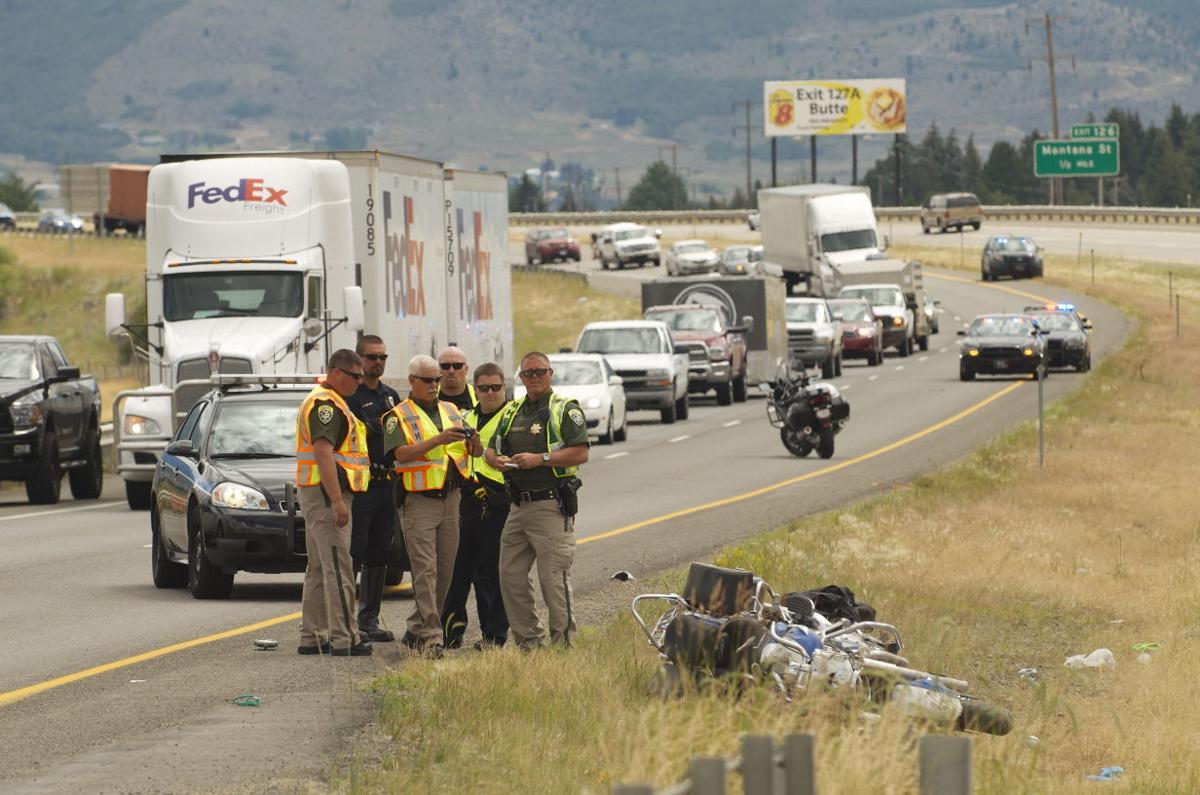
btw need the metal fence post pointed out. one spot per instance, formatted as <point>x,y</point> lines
<point>632,789</point>
<point>799,764</point>
<point>1176,314</point>
<point>945,765</point>
<point>758,765</point>
<point>707,774</point>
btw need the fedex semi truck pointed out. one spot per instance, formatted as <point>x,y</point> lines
<point>265,263</point>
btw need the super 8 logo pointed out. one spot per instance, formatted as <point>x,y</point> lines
<point>250,189</point>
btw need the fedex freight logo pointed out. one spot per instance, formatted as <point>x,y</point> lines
<point>475,270</point>
<point>404,258</point>
<point>250,191</point>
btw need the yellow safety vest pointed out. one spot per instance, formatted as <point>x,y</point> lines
<point>558,407</point>
<point>429,473</point>
<point>351,455</point>
<point>482,467</point>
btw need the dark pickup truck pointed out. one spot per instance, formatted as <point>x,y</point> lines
<point>49,421</point>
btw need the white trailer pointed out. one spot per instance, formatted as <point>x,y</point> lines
<point>335,244</point>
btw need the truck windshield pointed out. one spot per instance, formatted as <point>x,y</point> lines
<point>805,312</point>
<point>690,320</point>
<point>848,241</point>
<point>629,234</point>
<point>255,429</point>
<point>621,340</point>
<point>17,362</point>
<point>568,373</point>
<point>876,296</point>
<point>191,296</point>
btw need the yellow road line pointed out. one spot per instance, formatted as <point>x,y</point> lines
<point>1040,299</point>
<point>24,692</point>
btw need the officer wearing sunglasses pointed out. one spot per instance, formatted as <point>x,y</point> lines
<point>455,388</point>
<point>539,444</point>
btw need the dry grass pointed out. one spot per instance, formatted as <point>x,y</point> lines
<point>988,566</point>
<point>550,308</point>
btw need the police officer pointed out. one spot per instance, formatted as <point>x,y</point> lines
<point>539,444</point>
<point>432,453</point>
<point>455,388</point>
<point>331,460</point>
<point>481,517</point>
<point>373,524</point>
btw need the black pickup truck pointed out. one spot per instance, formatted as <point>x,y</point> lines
<point>49,421</point>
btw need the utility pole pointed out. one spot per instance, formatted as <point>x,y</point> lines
<point>853,159</point>
<point>674,169</point>
<point>1048,21</point>
<point>812,157</point>
<point>618,187</point>
<point>774,149</point>
<point>748,104</point>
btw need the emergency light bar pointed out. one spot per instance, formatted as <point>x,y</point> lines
<point>251,379</point>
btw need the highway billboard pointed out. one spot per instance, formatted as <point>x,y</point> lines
<point>834,107</point>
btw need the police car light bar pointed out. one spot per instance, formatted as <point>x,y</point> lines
<point>251,379</point>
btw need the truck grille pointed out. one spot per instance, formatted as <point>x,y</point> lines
<point>696,351</point>
<point>799,338</point>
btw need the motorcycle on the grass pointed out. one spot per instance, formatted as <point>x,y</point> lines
<point>808,414</point>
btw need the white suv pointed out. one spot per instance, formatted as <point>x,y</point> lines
<point>625,244</point>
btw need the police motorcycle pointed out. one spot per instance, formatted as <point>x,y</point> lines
<point>731,628</point>
<point>807,413</point>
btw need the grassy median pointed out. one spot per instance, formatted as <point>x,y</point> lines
<point>987,566</point>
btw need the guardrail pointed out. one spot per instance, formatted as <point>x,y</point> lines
<point>945,769</point>
<point>1174,216</point>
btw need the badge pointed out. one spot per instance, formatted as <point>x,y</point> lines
<point>536,428</point>
<point>325,414</point>
<point>576,416</point>
<point>390,425</point>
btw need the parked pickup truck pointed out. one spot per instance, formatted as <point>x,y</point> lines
<point>49,421</point>
<point>654,371</point>
<point>716,352</point>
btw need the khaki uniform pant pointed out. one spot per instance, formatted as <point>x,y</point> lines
<point>430,527</point>
<point>537,532</point>
<point>323,614</point>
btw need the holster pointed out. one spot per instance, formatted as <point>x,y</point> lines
<point>566,495</point>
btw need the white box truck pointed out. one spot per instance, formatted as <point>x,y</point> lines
<point>266,263</point>
<point>809,231</point>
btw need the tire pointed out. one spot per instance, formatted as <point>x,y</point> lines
<point>827,368</point>
<point>965,375</point>
<point>739,389</point>
<point>825,446</point>
<point>976,224</point>
<point>681,407</point>
<point>924,229</point>
<point>837,366</point>
<point>607,436</point>
<point>923,342</point>
<point>725,394</point>
<point>620,434</point>
<point>88,481</point>
<point>795,443</point>
<point>165,572</point>
<point>1085,364</point>
<point>980,717</point>
<point>905,347</point>
<point>603,264</point>
<point>44,484</point>
<point>874,358</point>
<point>205,580</point>
<point>137,494</point>
<point>984,276</point>
<point>669,414</point>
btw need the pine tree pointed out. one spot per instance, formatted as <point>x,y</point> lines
<point>658,189</point>
<point>526,197</point>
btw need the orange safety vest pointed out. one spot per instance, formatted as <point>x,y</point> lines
<point>429,473</point>
<point>351,455</point>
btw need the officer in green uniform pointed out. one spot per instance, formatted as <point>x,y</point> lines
<point>539,444</point>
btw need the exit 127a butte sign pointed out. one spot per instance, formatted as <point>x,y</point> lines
<point>1077,157</point>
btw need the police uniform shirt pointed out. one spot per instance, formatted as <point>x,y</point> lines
<point>527,434</point>
<point>369,405</point>
<point>326,421</point>
<point>462,400</point>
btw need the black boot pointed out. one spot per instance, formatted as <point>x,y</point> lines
<point>370,595</point>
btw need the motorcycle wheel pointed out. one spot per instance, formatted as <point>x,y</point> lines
<point>795,443</point>
<point>825,446</point>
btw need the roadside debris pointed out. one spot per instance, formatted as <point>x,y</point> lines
<point>136,681</point>
<point>266,644</point>
<point>623,576</point>
<point>1029,674</point>
<point>1147,646</point>
<point>1107,774</point>
<point>1100,658</point>
<point>248,701</point>
<point>1144,657</point>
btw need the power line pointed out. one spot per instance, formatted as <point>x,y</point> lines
<point>748,103</point>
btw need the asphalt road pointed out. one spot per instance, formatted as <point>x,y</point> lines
<point>76,592</point>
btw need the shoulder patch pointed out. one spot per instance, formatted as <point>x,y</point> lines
<point>391,423</point>
<point>325,414</point>
<point>576,416</point>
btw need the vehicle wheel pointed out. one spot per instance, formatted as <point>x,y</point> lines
<point>825,446</point>
<point>980,717</point>
<point>681,407</point>
<point>607,436</point>
<point>137,494</point>
<point>976,225</point>
<point>796,444</point>
<point>603,264</point>
<point>205,580</point>
<point>827,367</point>
<point>739,389</point>
<point>725,394</point>
<point>984,276</point>
<point>44,483</point>
<point>905,347</point>
<point>924,229</point>
<point>88,481</point>
<point>165,572</point>
<point>923,342</point>
<point>965,375</point>
<point>669,414</point>
<point>1085,364</point>
<point>837,366</point>
<point>621,433</point>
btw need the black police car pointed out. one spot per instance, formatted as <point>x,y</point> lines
<point>1068,343</point>
<point>219,502</point>
<point>1000,345</point>
<point>1011,257</point>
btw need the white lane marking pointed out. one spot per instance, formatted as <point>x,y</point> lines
<point>844,387</point>
<point>923,359</point>
<point>92,507</point>
<point>899,367</point>
<point>678,439</point>
<point>941,350</point>
<point>956,317</point>
<point>614,455</point>
<point>147,546</point>
<point>872,377</point>
<point>731,423</point>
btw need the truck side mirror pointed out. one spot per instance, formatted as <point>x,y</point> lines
<point>352,295</point>
<point>748,322</point>
<point>658,234</point>
<point>114,316</point>
<point>65,374</point>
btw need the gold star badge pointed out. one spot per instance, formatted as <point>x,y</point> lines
<point>536,428</point>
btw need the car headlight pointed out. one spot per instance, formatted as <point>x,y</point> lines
<point>236,495</point>
<point>137,425</point>
<point>593,403</point>
<point>658,374</point>
<point>972,351</point>
<point>866,332</point>
<point>823,336</point>
<point>898,320</point>
<point>718,353</point>
<point>26,413</point>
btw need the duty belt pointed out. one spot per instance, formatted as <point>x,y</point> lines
<point>382,472</point>
<point>518,496</point>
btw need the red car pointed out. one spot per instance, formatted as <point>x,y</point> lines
<point>550,245</point>
<point>862,329</point>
